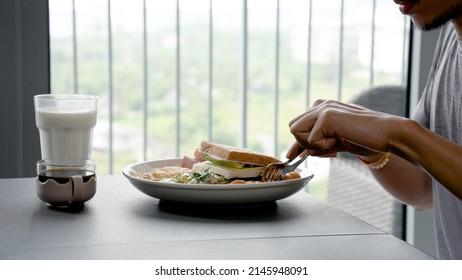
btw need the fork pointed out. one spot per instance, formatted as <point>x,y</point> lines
<point>275,171</point>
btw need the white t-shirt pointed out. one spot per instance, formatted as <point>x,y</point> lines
<point>440,111</point>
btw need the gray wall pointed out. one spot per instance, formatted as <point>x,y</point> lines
<point>24,72</point>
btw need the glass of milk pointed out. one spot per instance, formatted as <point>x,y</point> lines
<point>65,123</point>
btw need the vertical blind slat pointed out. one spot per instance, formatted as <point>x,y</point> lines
<point>74,48</point>
<point>276,80</point>
<point>371,70</point>
<point>145,83</point>
<point>405,43</point>
<point>110,88</point>
<point>178,77</point>
<point>308,55</point>
<point>210,82</point>
<point>340,51</point>
<point>243,140</point>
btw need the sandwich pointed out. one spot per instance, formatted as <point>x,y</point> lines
<point>230,163</point>
<point>217,164</point>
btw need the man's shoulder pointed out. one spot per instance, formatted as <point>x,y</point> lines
<point>447,32</point>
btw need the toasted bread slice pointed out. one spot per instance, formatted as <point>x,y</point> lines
<point>236,154</point>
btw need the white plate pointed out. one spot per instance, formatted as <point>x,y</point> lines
<point>207,193</point>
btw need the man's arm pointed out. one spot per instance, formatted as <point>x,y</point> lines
<point>330,127</point>
<point>405,181</point>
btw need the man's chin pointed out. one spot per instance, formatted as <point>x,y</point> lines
<point>430,22</point>
<point>428,25</point>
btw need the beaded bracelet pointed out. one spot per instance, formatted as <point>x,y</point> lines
<point>377,164</point>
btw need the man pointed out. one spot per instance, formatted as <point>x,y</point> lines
<point>418,161</point>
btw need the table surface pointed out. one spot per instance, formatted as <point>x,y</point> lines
<point>120,222</point>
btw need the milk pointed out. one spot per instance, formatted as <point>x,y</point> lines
<point>65,134</point>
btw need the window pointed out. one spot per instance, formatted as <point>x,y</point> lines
<point>172,73</point>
